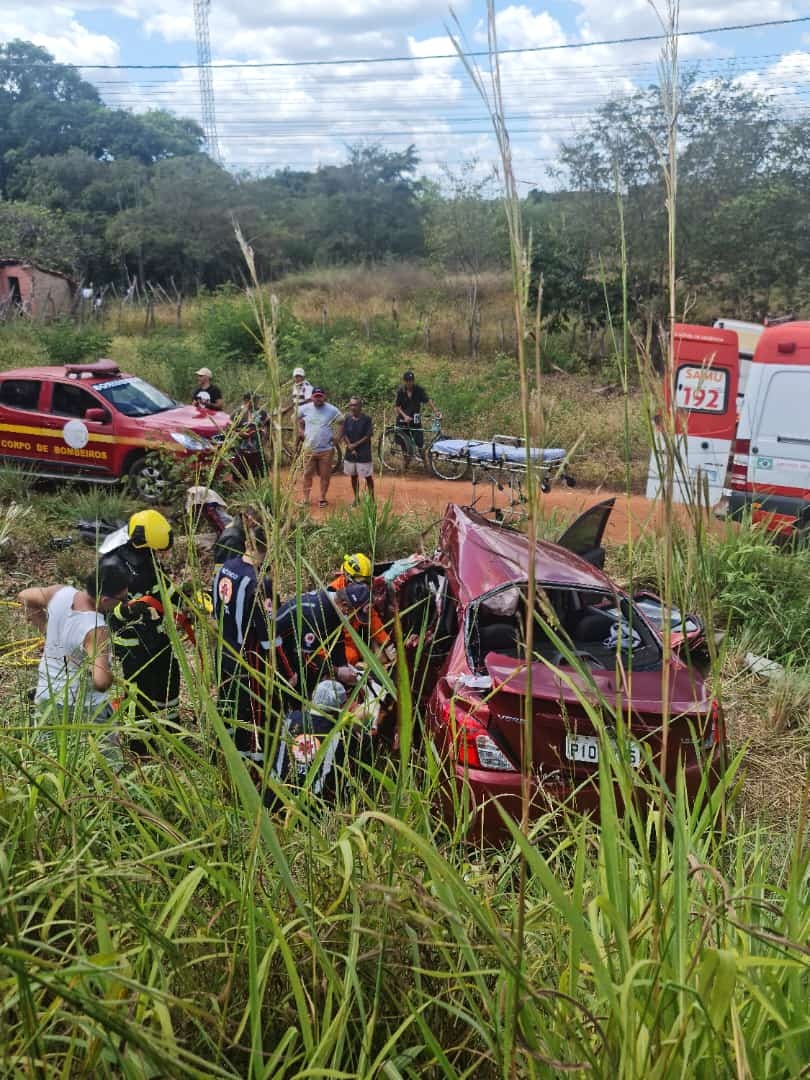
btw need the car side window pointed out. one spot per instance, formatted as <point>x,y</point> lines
<point>69,400</point>
<point>20,393</point>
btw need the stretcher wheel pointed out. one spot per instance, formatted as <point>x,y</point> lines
<point>569,481</point>
<point>545,486</point>
<point>449,468</point>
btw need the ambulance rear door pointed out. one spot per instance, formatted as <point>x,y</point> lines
<point>779,467</point>
<point>706,375</point>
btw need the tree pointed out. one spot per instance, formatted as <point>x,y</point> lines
<point>730,140</point>
<point>465,226</point>
<point>37,235</point>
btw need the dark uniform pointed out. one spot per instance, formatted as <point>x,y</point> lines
<point>231,541</point>
<point>140,638</point>
<point>315,750</point>
<point>319,650</point>
<point>239,608</point>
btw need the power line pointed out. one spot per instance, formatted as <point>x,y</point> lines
<point>638,39</point>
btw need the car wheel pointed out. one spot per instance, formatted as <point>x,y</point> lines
<point>147,481</point>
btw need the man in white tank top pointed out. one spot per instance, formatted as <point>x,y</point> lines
<point>75,672</point>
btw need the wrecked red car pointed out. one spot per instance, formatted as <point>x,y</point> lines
<point>472,596</point>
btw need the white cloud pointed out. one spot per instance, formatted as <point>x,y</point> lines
<point>56,29</point>
<point>303,115</point>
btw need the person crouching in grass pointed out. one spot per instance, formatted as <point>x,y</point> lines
<point>75,671</point>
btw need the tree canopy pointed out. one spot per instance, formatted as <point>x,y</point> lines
<point>108,194</point>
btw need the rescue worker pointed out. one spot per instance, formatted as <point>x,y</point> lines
<point>132,549</point>
<point>141,641</point>
<point>325,732</point>
<point>240,603</point>
<point>319,651</point>
<point>357,569</point>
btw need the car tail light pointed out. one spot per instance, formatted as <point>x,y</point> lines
<point>738,478</point>
<point>475,749</point>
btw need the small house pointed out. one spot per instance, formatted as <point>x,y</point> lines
<point>34,291</point>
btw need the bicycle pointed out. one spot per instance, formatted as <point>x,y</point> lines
<point>397,447</point>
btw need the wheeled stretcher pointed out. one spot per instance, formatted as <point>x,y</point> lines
<point>502,455</point>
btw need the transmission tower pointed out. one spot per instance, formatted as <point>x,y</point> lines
<point>209,113</point>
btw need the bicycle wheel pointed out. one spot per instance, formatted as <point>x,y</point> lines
<point>448,467</point>
<point>391,450</point>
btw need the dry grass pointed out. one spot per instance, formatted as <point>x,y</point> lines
<point>770,718</point>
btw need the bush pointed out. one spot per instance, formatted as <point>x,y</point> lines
<point>71,343</point>
<point>169,360</point>
<point>227,329</point>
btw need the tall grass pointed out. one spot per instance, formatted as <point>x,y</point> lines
<point>160,922</point>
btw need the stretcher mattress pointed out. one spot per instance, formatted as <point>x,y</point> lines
<point>491,453</point>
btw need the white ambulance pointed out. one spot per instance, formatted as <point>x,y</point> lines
<point>767,441</point>
<point>770,468</point>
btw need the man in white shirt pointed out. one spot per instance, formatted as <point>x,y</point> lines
<point>75,673</point>
<point>316,425</point>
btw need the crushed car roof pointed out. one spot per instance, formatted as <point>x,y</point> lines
<point>486,555</point>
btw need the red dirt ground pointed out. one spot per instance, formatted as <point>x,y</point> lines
<point>632,514</point>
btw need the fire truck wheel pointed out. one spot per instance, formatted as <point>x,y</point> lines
<point>146,480</point>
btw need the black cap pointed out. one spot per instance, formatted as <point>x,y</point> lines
<point>408,375</point>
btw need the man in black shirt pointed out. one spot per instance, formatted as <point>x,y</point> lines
<point>411,397</point>
<point>207,395</point>
<point>358,429</point>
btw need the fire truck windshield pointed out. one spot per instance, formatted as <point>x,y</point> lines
<point>135,397</point>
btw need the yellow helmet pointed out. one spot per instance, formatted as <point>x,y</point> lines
<point>358,566</point>
<point>150,529</point>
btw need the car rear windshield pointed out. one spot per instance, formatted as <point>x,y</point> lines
<point>135,397</point>
<point>589,623</point>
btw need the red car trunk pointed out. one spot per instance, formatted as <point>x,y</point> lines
<point>559,714</point>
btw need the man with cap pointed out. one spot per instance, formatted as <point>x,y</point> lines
<point>309,635</point>
<point>302,388</point>
<point>75,672</point>
<point>316,423</point>
<point>410,400</point>
<point>207,395</point>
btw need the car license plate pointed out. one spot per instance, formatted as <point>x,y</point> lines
<point>585,749</point>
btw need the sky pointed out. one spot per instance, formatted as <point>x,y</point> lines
<point>307,113</point>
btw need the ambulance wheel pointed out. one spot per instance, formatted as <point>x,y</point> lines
<point>146,480</point>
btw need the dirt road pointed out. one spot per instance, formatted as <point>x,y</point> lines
<point>632,514</point>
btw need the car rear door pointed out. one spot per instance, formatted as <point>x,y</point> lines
<point>22,420</point>
<point>704,392</point>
